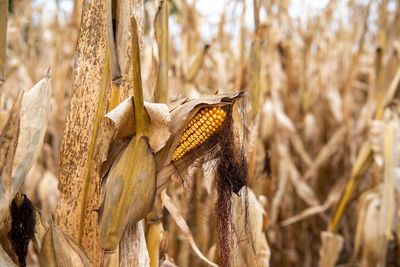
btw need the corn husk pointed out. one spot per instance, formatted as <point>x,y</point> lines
<point>60,250</point>
<point>181,112</point>
<point>130,183</point>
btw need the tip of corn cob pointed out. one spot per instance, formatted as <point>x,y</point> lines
<point>199,129</point>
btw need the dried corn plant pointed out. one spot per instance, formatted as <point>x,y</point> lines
<point>163,136</point>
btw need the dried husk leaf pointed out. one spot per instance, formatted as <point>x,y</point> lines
<point>120,123</point>
<point>130,183</point>
<point>41,226</point>
<point>174,211</point>
<point>60,250</point>
<point>32,124</point>
<point>34,115</point>
<point>249,228</point>
<point>9,141</point>
<point>332,244</point>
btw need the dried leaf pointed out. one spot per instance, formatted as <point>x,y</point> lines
<point>60,250</point>
<point>173,210</point>
<point>302,188</point>
<point>35,108</point>
<point>329,251</point>
<point>326,152</point>
<point>122,123</point>
<point>249,218</point>
<point>9,141</point>
<point>332,198</point>
<point>133,249</point>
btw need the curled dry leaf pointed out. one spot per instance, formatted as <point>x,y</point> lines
<point>123,122</point>
<point>129,192</point>
<point>249,218</point>
<point>329,251</point>
<point>60,250</point>
<point>180,221</point>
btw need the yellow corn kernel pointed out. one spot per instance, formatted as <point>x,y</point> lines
<point>199,129</point>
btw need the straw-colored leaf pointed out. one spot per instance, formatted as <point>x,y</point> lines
<point>329,251</point>
<point>60,250</point>
<point>332,198</point>
<point>9,141</point>
<point>119,123</point>
<point>180,221</point>
<point>249,228</point>
<point>133,250</point>
<point>35,108</point>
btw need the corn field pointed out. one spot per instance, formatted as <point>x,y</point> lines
<point>155,133</point>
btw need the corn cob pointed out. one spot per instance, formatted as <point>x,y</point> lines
<point>199,129</point>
